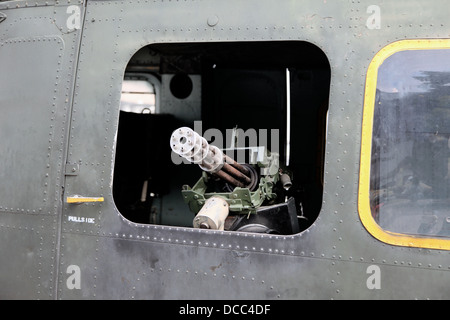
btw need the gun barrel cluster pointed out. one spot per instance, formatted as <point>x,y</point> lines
<point>193,147</point>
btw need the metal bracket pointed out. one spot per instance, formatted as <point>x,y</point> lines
<point>72,169</point>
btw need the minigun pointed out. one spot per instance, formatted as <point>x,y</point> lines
<point>236,196</point>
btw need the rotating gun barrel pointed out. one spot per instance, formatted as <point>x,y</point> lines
<point>228,191</point>
<point>194,148</point>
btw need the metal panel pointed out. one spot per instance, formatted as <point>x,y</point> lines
<point>28,246</point>
<point>103,255</point>
<point>24,96</point>
<point>148,261</point>
<point>37,61</point>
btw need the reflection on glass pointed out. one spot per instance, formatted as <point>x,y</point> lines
<point>409,187</point>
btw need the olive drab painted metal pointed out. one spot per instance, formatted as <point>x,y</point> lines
<point>38,62</point>
<point>62,65</point>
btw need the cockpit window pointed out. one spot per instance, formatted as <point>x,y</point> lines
<point>408,185</point>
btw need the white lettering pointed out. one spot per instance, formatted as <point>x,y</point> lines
<point>80,219</point>
<point>246,309</point>
<point>74,280</point>
<point>374,280</point>
<point>74,20</point>
<point>374,20</point>
<point>248,138</point>
<point>196,310</point>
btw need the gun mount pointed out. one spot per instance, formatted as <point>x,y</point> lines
<point>227,190</point>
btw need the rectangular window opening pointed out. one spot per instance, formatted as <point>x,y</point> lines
<point>405,174</point>
<point>266,101</point>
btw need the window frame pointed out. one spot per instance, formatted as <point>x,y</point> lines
<point>364,210</point>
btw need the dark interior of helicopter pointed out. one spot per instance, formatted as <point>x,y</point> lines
<point>281,87</point>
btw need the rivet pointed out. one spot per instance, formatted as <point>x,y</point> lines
<point>213,21</point>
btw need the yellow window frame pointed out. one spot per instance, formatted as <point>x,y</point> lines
<point>364,210</point>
